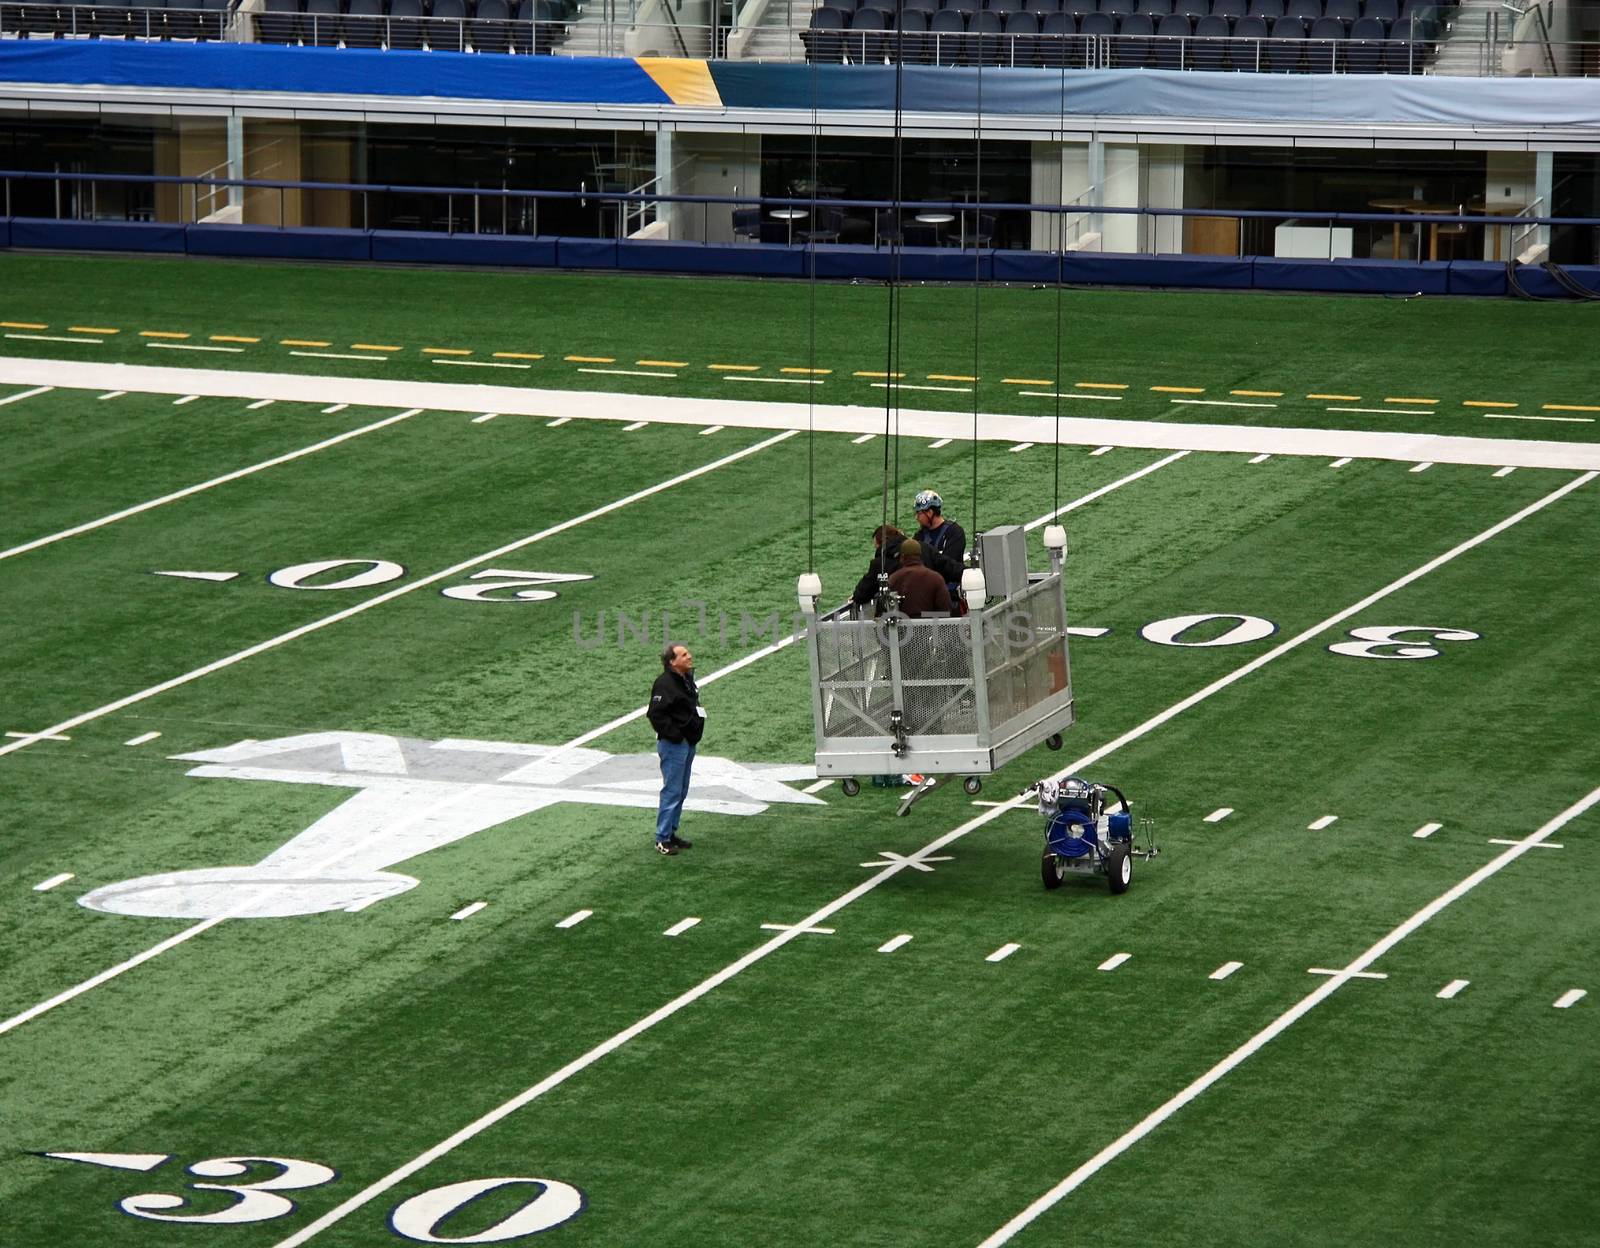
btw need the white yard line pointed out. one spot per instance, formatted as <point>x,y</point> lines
<point>1427,830</point>
<point>1327,821</point>
<point>1570,998</point>
<point>1101,450</point>
<point>575,918</point>
<point>1409,447</point>
<point>112,394</point>
<point>1450,990</point>
<point>1504,472</point>
<point>706,433</point>
<point>892,868</point>
<point>1002,953</point>
<point>1219,814</point>
<point>466,912</point>
<point>1225,970</point>
<point>206,485</point>
<point>1279,1025</point>
<point>400,591</point>
<point>1340,462</point>
<point>93,342</point>
<point>259,404</point>
<point>1114,961</point>
<point>25,394</point>
<point>143,738</point>
<point>485,418</point>
<point>942,442</point>
<point>1021,446</point>
<point>1104,490</point>
<point>680,927</point>
<point>334,409</point>
<point>1422,467</point>
<point>895,942</point>
<point>44,886</point>
<point>1259,459</point>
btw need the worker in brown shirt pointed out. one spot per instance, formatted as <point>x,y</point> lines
<point>922,591</point>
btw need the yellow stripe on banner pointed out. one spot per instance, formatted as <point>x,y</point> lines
<point>90,329</point>
<point>684,81</point>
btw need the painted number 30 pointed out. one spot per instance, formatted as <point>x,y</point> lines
<point>1372,641</point>
<point>425,1218</point>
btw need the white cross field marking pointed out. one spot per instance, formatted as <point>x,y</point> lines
<point>1274,1029</point>
<point>1450,990</point>
<point>1104,490</point>
<point>581,1063</point>
<point>1347,973</point>
<point>1500,840</point>
<point>680,927</point>
<point>1316,825</point>
<point>1570,998</point>
<point>206,485</point>
<point>1427,830</point>
<point>44,886</point>
<point>1021,446</point>
<point>188,398</point>
<point>1114,961</point>
<point>915,862</point>
<point>1225,970</point>
<point>575,918</point>
<point>1218,815</point>
<point>466,912</point>
<point>1002,953</point>
<point>798,929</point>
<point>38,736</point>
<point>411,587</point>
<point>895,942</point>
<point>638,424</point>
<point>558,422</point>
<point>865,437</point>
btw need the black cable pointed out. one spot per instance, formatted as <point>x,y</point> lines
<point>1569,283</point>
<point>977,285</point>
<point>811,399</point>
<point>1061,267</point>
<point>891,388</point>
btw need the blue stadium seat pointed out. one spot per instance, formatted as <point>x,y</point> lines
<point>1194,9</point>
<point>947,37</point>
<point>490,28</point>
<point>446,26</point>
<point>1287,48</point>
<point>320,27</point>
<point>1059,45</point>
<point>1211,42</point>
<point>1245,52</point>
<point>363,24</point>
<point>1154,8</point>
<point>278,22</point>
<point>1022,33</point>
<point>1133,49</point>
<point>1305,10</point>
<point>1231,9</point>
<point>1271,10</point>
<point>1325,46</point>
<point>1042,8</point>
<point>824,38</point>
<point>1173,49</point>
<point>1346,11</point>
<point>985,34</point>
<point>1383,10</point>
<point>1364,50</point>
<point>864,44</point>
<point>1119,8</point>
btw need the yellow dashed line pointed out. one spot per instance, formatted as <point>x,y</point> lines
<point>1100,385</point>
<point>735,368</point>
<point>1258,394</point>
<point>517,355</point>
<point>1483,403</point>
<point>1179,389</point>
<point>886,375</point>
<point>371,346</point>
<point>302,342</point>
<point>90,329</point>
<point>1569,407</point>
<point>22,325</point>
<point>445,351</point>
<point>662,363</point>
<point>950,377</point>
<point>1408,401</point>
<point>590,359</point>
<point>1025,381</point>
<point>1337,398</point>
<point>160,333</point>
<point>232,338</point>
<point>820,372</point>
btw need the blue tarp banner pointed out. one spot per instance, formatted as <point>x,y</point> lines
<point>329,71</point>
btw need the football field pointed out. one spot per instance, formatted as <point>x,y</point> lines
<point>328,903</point>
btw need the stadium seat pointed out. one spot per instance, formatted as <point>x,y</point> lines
<point>279,22</point>
<point>1230,9</point>
<point>967,7</point>
<point>1346,11</point>
<point>490,28</point>
<point>321,25</point>
<point>1004,8</point>
<point>864,44</point>
<point>405,25</point>
<point>1305,10</point>
<point>1364,48</point>
<point>183,19</point>
<point>1173,49</point>
<point>1325,46</point>
<point>1403,54</point>
<point>909,43</point>
<point>1245,52</point>
<point>363,24</point>
<point>1058,43</point>
<point>1042,8</point>
<point>1119,8</point>
<point>1079,8</point>
<point>823,39</point>
<point>1022,36</point>
<point>1192,9</point>
<point>1270,10</point>
<point>1133,49</point>
<point>926,7</point>
<point>985,40</point>
<point>1211,42</point>
<point>1383,10</point>
<point>1287,48</point>
<point>947,37</point>
<point>446,29</point>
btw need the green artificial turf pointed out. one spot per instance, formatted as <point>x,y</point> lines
<point>1452,351</point>
<point>826,1093</point>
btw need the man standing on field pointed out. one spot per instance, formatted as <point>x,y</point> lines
<point>676,716</point>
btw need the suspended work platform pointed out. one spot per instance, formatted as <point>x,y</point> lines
<point>946,696</point>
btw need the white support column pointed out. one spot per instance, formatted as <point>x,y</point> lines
<point>1509,181</point>
<point>670,216</point>
<point>1163,188</point>
<point>235,158</point>
<point>1543,185</point>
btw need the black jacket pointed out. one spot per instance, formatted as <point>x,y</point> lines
<point>888,560</point>
<point>674,713</point>
<point>943,550</point>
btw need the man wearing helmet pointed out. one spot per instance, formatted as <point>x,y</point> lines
<point>943,542</point>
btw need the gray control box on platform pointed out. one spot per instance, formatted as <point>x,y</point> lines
<point>1003,552</point>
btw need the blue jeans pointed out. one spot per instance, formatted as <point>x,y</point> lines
<point>676,759</point>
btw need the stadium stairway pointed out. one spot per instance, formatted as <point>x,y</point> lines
<point>1462,50</point>
<point>774,32</point>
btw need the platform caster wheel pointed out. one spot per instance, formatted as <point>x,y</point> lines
<point>1119,868</point>
<point>972,784</point>
<point>850,785</point>
<point>1052,870</point>
<point>1053,741</point>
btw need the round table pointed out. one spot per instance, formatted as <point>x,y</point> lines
<point>935,219</point>
<point>791,215</point>
<point>1392,205</point>
<point>1433,210</point>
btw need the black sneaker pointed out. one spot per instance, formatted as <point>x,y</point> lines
<point>677,842</point>
<point>666,847</point>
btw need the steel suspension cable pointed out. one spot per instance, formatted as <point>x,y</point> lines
<point>977,285</point>
<point>1061,263</point>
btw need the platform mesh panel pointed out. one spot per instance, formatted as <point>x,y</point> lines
<point>1025,652</point>
<point>936,677</point>
<point>853,667</point>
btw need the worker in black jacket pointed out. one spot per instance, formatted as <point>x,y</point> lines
<point>679,722</point>
<point>943,542</point>
<point>886,559</point>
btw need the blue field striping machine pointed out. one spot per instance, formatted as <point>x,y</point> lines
<point>1088,830</point>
